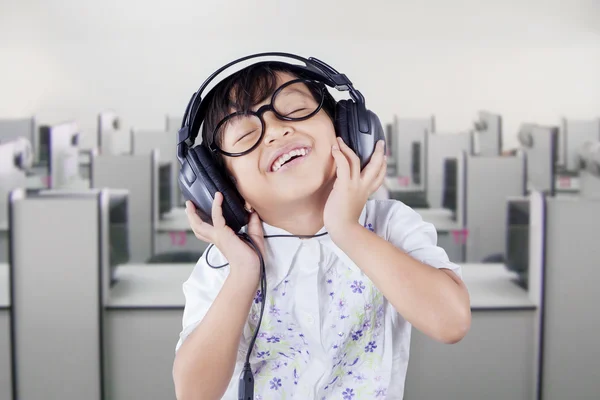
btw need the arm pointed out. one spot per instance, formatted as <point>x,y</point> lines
<point>217,306</point>
<point>205,362</point>
<point>434,300</point>
<point>415,280</point>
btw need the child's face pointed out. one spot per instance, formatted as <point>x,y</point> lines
<point>261,178</point>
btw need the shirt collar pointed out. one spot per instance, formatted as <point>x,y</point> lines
<point>281,251</point>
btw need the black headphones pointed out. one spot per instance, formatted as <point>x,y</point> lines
<point>200,178</point>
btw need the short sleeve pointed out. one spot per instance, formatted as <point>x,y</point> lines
<point>407,230</point>
<point>201,289</point>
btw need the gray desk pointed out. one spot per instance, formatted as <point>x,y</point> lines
<point>449,231</point>
<point>5,347</point>
<point>494,361</point>
<point>497,357</point>
<point>173,233</point>
<point>143,321</point>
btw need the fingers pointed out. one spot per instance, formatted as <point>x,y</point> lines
<point>343,167</point>
<point>373,168</point>
<point>217,211</point>
<point>256,232</point>
<point>352,158</point>
<point>378,181</point>
<point>201,229</point>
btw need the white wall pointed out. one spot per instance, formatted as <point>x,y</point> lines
<point>527,60</point>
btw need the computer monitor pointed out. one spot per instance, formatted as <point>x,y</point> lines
<point>389,139</point>
<point>416,162</point>
<point>164,188</point>
<point>450,190</point>
<point>118,233</point>
<point>44,146</point>
<point>517,239</point>
<point>59,150</point>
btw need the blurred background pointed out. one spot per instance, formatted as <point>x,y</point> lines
<point>492,118</point>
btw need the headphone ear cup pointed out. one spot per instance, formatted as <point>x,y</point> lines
<point>363,144</point>
<point>343,122</point>
<point>208,181</point>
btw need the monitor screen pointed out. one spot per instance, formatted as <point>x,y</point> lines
<point>164,188</point>
<point>118,232</point>
<point>389,133</point>
<point>517,236</point>
<point>44,143</point>
<point>416,162</point>
<point>450,189</point>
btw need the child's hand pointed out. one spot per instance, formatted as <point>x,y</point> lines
<point>238,253</point>
<point>352,186</point>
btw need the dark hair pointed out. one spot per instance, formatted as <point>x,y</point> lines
<point>243,90</point>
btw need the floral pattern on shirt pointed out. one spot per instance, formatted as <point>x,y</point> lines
<point>351,338</point>
<point>281,350</point>
<point>356,311</point>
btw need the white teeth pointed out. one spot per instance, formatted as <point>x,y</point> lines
<point>285,157</point>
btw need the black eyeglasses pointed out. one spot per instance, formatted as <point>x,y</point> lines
<point>241,132</point>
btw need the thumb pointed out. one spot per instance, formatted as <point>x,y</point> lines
<point>255,230</point>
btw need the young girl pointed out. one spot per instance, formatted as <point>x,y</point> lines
<point>346,276</point>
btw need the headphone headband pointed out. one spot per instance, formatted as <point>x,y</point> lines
<point>329,76</point>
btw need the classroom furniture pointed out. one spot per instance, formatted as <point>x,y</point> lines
<point>60,274</point>
<point>573,134</point>
<point>145,307</point>
<point>571,355</point>
<point>487,136</point>
<point>13,128</point>
<point>495,360</point>
<point>112,139</point>
<point>489,182</point>
<point>5,335</point>
<point>138,175</point>
<point>451,234</point>
<point>12,175</point>
<point>174,234</point>
<point>145,141</point>
<point>156,226</point>
<point>410,148</point>
<point>144,315</point>
<point>439,147</point>
<point>541,147</point>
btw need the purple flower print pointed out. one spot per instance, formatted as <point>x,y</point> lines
<point>262,354</point>
<point>258,297</point>
<point>348,394</point>
<point>358,287</point>
<point>369,226</point>
<point>357,335</point>
<point>275,383</point>
<point>274,310</point>
<point>273,339</point>
<point>370,347</point>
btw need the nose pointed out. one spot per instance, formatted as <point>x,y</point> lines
<point>275,128</point>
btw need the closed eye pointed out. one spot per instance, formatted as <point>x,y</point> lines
<point>244,136</point>
<point>295,111</point>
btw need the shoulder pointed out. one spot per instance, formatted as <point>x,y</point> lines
<point>391,217</point>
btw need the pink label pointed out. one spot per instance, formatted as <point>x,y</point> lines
<point>564,182</point>
<point>460,236</point>
<point>404,180</point>
<point>47,181</point>
<point>178,238</point>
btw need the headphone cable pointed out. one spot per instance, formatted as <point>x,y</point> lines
<point>246,380</point>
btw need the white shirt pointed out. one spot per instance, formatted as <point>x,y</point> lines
<point>327,331</point>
